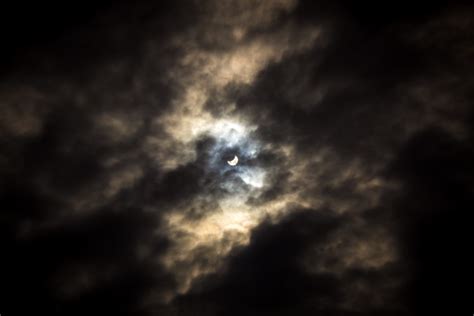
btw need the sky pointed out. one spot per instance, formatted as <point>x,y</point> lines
<point>352,123</point>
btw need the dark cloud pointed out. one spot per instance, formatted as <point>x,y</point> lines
<point>353,128</point>
<point>84,264</point>
<point>269,276</point>
<point>437,177</point>
<point>52,38</point>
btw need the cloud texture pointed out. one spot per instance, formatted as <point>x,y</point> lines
<point>353,128</point>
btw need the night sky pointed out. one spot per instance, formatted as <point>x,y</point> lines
<point>121,123</point>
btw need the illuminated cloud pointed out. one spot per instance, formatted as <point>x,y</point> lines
<point>353,145</point>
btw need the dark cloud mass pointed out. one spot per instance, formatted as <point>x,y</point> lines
<point>352,123</point>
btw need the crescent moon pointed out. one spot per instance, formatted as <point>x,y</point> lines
<point>234,161</point>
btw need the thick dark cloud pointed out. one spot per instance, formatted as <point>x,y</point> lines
<point>268,277</point>
<point>437,177</point>
<point>353,127</point>
<point>86,264</point>
<point>84,34</point>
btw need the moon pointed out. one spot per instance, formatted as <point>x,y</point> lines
<point>234,161</point>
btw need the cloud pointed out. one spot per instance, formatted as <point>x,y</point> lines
<point>352,130</point>
<point>270,274</point>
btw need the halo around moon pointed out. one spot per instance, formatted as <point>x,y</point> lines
<point>234,161</point>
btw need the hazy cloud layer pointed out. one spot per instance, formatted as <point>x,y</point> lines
<point>352,124</point>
